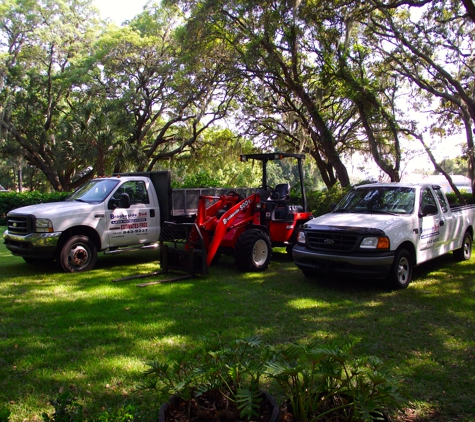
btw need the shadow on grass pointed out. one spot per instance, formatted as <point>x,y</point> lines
<point>89,334</point>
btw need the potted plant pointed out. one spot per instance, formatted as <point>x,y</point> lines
<point>217,381</point>
<point>324,383</point>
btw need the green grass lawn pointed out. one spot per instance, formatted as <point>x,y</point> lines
<point>89,335</point>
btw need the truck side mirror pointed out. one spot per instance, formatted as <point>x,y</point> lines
<point>124,200</point>
<point>429,209</point>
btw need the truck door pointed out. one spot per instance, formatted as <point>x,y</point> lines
<point>453,225</point>
<point>432,228</point>
<point>137,224</point>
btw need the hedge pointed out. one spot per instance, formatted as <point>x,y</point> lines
<point>11,200</point>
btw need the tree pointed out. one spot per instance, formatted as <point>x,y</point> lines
<point>433,49</point>
<point>165,95</point>
<point>456,165</point>
<point>216,160</point>
<point>268,39</point>
<point>311,84</point>
<point>41,41</point>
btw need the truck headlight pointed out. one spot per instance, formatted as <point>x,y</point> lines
<point>301,237</point>
<point>375,243</point>
<point>43,225</point>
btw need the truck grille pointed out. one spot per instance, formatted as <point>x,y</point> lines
<point>19,224</point>
<point>331,241</point>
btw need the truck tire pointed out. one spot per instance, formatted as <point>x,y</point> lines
<point>465,252</point>
<point>78,254</point>
<point>401,272</point>
<point>252,251</point>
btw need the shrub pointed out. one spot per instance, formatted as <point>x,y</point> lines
<point>319,381</point>
<point>453,200</point>
<point>232,369</point>
<point>328,382</point>
<point>11,200</point>
<point>319,201</point>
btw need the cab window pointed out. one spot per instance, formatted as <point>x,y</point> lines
<point>427,198</point>
<point>136,190</point>
<point>444,206</point>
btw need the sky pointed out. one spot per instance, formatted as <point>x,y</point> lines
<point>119,10</point>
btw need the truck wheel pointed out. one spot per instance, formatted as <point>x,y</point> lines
<point>78,254</point>
<point>401,272</point>
<point>465,252</point>
<point>252,251</point>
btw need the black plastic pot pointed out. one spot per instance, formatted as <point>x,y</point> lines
<point>175,401</point>
<point>380,416</point>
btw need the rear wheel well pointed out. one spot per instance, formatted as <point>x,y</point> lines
<point>469,230</point>
<point>80,231</point>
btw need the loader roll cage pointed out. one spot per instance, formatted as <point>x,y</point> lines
<point>266,157</point>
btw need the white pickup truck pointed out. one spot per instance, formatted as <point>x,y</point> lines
<point>383,231</point>
<point>113,214</point>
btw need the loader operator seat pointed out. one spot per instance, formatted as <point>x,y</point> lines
<point>281,198</point>
<point>281,194</point>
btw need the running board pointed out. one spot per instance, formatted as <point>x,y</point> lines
<point>131,249</point>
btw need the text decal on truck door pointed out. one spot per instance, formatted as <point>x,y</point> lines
<point>432,231</point>
<point>129,223</point>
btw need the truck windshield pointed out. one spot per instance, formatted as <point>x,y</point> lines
<point>95,191</point>
<point>378,200</point>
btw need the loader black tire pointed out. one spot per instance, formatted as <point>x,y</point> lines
<point>253,251</point>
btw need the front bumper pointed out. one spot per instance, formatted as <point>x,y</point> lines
<point>374,265</point>
<point>33,245</point>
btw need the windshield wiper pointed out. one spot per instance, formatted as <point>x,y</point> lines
<point>382,212</point>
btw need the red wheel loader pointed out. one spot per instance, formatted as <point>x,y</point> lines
<point>246,227</point>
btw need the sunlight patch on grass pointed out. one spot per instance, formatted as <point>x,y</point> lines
<point>305,303</point>
<point>161,344</point>
<point>450,341</point>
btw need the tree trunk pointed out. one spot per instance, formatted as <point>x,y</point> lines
<point>441,170</point>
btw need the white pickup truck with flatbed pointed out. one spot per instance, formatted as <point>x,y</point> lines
<point>383,230</point>
<point>113,214</point>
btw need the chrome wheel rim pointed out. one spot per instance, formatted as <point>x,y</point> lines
<point>78,256</point>
<point>403,270</point>
<point>467,248</point>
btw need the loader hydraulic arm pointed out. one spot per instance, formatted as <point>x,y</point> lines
<point>216,224</point>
